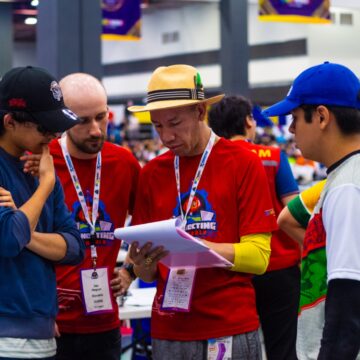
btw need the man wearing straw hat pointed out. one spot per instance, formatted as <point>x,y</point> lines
<point>216,188</point>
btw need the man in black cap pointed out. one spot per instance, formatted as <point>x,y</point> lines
<point>38,230</point>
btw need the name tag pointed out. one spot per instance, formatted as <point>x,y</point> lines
<point>178,289</point>
<point>96,291</point>
<point>220,348</point>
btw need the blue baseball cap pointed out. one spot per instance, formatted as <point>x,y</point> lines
<point>325,84</point>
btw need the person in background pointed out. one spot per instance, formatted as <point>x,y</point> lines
<point>324,101</point>
<point>294,219</point>
<point>36,229</point>
<point>99,180</point>
<point>277,291</point>
<point>216,188</point>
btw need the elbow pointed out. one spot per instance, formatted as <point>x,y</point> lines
<point>15,234</point>
<point>263,263</point>
<point>75,249</point>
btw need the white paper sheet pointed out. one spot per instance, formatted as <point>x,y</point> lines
<point>185,250</point>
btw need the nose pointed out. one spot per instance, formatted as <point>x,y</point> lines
<point>167,135</point>
<point>292,127</point>
<point>94,129</point>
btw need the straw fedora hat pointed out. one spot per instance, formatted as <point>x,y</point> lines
<point>174,86</point>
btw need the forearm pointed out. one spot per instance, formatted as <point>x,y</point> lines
<point>341,335</point>
<point>290,226</point>
<point>33,207</point>
<point>49,246</point>
<point>250,255</point>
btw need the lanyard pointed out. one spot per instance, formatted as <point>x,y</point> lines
<point>196,180</point>
<point>81,197</point>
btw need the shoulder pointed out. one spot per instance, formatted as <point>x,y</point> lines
<point>161,162</point>
<point>116,153</point>
<point>55,148</point>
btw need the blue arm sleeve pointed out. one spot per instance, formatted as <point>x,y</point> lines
<point>341,334</point>
<point>285,182</point>
<point>14,231</point>
<point>66,227</point>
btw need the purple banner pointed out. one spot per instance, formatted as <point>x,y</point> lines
<point>315,10</point>
<point>121,19</point>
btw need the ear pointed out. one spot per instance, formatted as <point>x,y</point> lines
<point>248,122</point>
<point>201,111</point>
<point>9,122</point>
<point>323,116</point>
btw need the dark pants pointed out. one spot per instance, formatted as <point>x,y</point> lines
<point>277,301</point>
<point>104,346</point>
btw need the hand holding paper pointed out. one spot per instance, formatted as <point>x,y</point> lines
<point>184,249</point>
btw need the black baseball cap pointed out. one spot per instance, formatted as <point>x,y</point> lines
<point>34,91</point>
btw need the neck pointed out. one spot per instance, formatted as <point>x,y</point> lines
<point>238,137</point>
<point>10,147</point>
<point>203,141</point>
<point>336,151</point>
<point>75,152</point>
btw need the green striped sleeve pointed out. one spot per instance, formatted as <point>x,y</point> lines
<point>298,211</point>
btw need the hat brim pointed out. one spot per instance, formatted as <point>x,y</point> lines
<point>58,120</point>
<point>283,107</point>
<point>170,104</point>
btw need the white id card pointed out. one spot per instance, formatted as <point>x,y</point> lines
<point>96,291</point>
<point>178,289</point>
<point>220,348</point>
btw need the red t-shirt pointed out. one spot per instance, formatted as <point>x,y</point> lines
<point>230,202</point>
<point>285,252</point>
<point>119,176</point>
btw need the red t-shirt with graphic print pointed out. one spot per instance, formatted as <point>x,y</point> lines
<point>119,175</point>
<point>231,201</point>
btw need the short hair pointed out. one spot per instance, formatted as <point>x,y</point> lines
<point>347,119</point>
<point>19,116</point>
<point>228,117</point>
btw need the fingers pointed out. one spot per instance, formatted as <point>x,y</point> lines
<point>6,198</point>
<point>147,255</point>
<point>45,149</point>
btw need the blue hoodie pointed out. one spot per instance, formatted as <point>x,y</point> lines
<point>28,302</point>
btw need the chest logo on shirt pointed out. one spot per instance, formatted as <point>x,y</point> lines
<point>201,219</point>
<point>104,226</point>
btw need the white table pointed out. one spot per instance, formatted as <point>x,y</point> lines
<point>138,305</point>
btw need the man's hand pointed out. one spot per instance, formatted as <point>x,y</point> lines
<point>145,260</point>
<point>46,169</point>
<point>6,199</point>
<point>120,282</point>
<point>31,165</point>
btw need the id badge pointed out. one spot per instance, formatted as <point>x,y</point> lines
<point>178,289</point>
<point>220,348</point>
<point>96,291</point>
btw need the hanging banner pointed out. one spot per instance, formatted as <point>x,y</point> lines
<point>121,19</point>
<point>299,11</point>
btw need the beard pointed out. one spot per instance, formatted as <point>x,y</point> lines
<point>91,145</point>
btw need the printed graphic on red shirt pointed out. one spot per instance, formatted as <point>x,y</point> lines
<point>104,227</point>
<point>201,219</point>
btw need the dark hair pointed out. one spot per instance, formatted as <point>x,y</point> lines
<point>21,117</point>
<point>348,119</point>
<point>228,117</point>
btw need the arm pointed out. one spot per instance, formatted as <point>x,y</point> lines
<point>250,255</point>
<point>63,244</point>
<point>33,207</point>
<point>49,246</point>
<point>341,335</point>
<point>290,226</point>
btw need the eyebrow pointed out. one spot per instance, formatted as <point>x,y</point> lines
<point>85,118</point>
